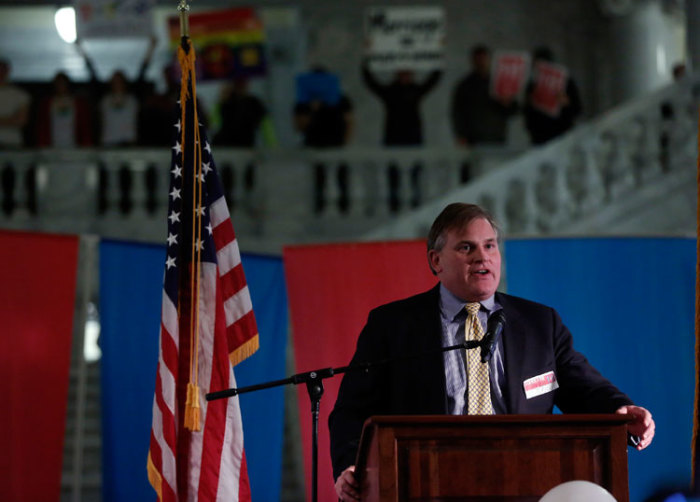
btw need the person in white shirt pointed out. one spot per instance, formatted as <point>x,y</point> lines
<point>14,110</point>
<point>119,113</point>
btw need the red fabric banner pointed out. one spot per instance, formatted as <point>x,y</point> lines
<point>331,290</point>
<point>36,307</point>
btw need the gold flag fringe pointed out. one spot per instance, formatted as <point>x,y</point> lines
<point>245,350</point>
<point>155,478</point>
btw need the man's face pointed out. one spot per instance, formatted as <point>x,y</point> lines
<point>469,264</point>
<point>404,77</point>
<point>481,62</point>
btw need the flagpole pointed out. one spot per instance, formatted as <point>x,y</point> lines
<point>192,321</point>
<point>184,8</point>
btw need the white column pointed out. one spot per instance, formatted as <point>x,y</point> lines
<point>692,28</point>
<point>643,47</point>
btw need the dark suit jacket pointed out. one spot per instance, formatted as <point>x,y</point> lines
<point>535,341</point>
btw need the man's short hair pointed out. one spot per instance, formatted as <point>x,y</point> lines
<point>455,217</point>
<point>543,53</point>
<point>480,49</point>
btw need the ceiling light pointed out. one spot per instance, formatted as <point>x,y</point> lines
<point>65,24</point>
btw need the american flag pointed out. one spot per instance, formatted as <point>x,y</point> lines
<point>207,326</point>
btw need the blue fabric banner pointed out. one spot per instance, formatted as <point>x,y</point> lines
<point>629,303</point>
<point>131,278</point>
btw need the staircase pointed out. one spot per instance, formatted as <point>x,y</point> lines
<point>81,480</point>
<point>630,172</point>
<point>82,451</point>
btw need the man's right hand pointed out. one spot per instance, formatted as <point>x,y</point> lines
<point>346,486</point>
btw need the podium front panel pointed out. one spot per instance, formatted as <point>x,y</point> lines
<point>490,458</point>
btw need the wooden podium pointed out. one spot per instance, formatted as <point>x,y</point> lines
<point>489,458</point>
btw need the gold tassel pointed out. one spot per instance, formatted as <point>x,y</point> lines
<point>192,411</point>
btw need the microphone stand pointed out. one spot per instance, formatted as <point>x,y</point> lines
<point>314,386</point>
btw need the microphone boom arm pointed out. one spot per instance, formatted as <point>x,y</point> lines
<point>314,385</point>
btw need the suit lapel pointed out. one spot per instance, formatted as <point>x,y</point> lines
<point>514,348</point>
<point>428,336</point>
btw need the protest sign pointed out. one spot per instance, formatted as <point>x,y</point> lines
<point>110,19</point>
<point>405,38</point>
<point>549,85</point>
<point>509,72</point>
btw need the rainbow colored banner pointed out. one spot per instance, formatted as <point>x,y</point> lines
<point>229,43</point>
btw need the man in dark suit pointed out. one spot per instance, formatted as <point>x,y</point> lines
<point>533,367</point>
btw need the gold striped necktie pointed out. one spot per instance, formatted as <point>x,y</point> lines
<point>479,394</point>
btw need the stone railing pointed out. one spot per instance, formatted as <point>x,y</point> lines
<point>275,197</point>
<point>644,148</point>
<point>280,197</point>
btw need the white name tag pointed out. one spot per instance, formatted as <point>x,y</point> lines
<point>541,384</point>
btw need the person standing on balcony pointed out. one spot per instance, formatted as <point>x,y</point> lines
<point>401,97</point>
<point>477,117</point>
<point>545,121</point>
<point>403,125</point>
<point>242,116</point>
<point>14,110</point>
<point>64,118</point>
<point>119,113</point>
<point>14,114</point>
<point>158,112</point>
<point>323,114</point>
<point>119,102</point>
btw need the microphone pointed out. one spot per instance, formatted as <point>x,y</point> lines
<point>494,327</point>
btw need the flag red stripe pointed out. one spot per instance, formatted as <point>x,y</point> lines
<point>223,234</point>
<point>169,352</point>
<point>233,281</point>
<point>169,494</point>
<point>241,331</point>
<point>244,483</point>
<point>156,454</point>
<point>183,439</point>
<point>215,425</point>
<point>168,420</point>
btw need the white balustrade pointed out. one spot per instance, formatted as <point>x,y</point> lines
<point>278,196</point>
<point>631,150</point>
